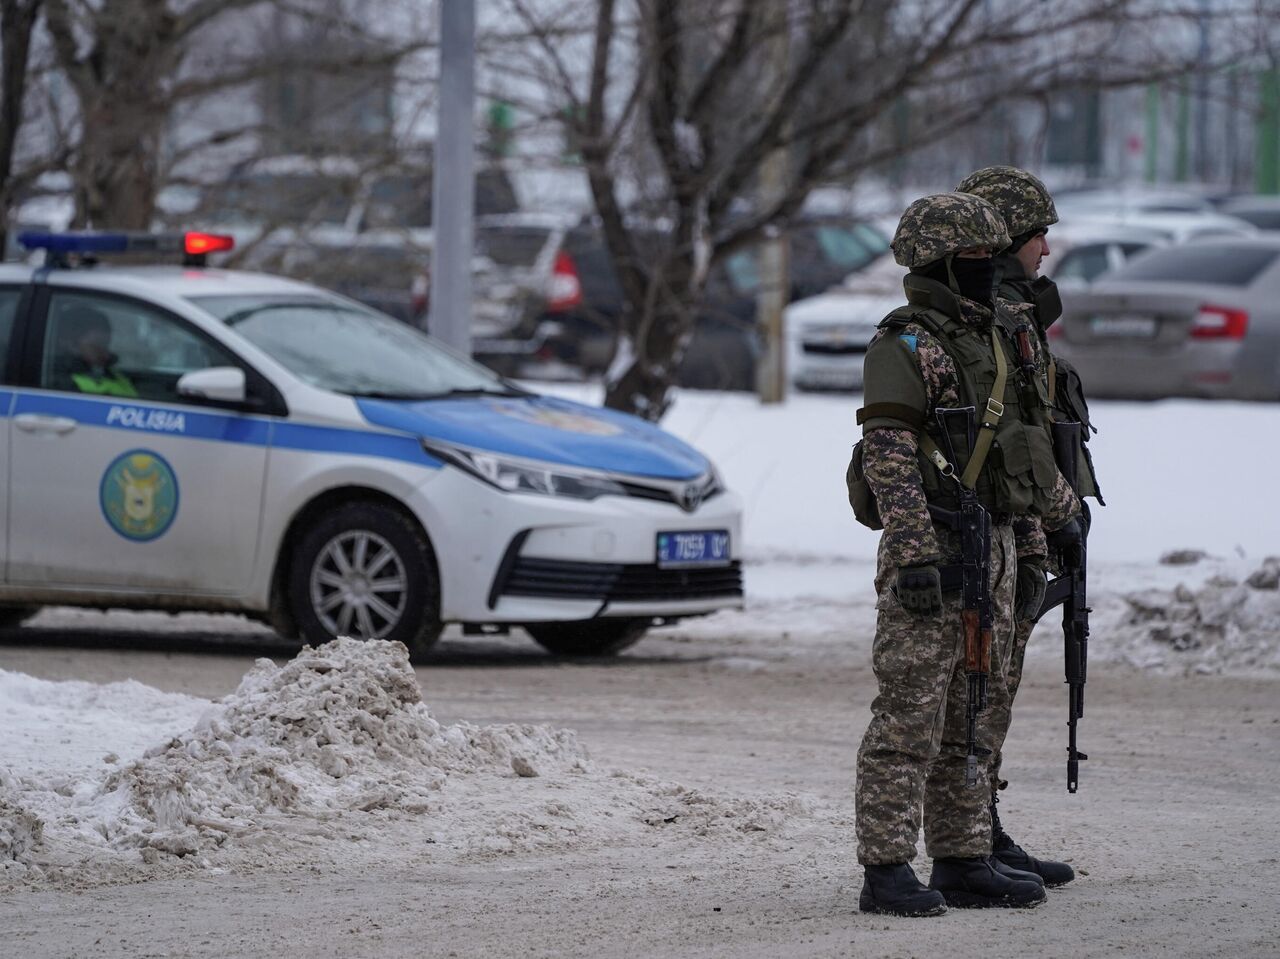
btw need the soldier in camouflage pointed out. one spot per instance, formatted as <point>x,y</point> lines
<point>912,758</point>
<point>1030,303</point>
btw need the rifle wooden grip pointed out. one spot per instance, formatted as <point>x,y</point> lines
<point>1025,353</point>
<point>986,651</point>
<point>972,641</point>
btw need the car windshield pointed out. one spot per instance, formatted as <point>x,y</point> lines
<point>403,200</point>
<point>281,199</point>
<point>511,246</point>
<point>846,249</point>
<point>338,346</point>
<point>1217,264</point>
<point>1262,219</point>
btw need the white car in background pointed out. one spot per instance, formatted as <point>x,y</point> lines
<point>1173,227</point>
<point>1083,250</point>
<point>1085,247</point>
<point>828,334</point>
<point>1127,200</point>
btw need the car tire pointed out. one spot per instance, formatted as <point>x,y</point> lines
<point>365,570</point>
<point>591,637</point>
<point>11,617</point>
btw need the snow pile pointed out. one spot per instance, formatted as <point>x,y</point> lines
<point>339,728</point>
<point>295,751</point>
<point>331,757</point>
<point>1224,626</point>
<point>20,829</point>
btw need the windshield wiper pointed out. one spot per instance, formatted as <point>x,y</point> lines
<point>239,316</point>
<point>477,391</point>
<point>387,395</point>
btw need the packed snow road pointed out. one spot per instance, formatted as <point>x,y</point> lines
<point>692,797</point>
<point>714,817</point>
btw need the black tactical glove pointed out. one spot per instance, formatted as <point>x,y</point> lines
<point>920,590</point>
<point>1068,543</point>
<point>1029,593</point>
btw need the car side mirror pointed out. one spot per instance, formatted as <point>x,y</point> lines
<point>222,384</point>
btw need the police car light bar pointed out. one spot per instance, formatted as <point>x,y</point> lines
<point>194,246</point>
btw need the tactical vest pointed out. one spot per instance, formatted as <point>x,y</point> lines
<point>112,384</point>
<point>1018,472</point>
<point>1062,385</point>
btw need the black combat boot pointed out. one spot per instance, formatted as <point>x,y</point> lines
<point>974,884</point>
<point>1008,852</point>
<point>1019,874</point>
<point>894,890</point>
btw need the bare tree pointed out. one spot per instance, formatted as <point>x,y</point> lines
<point>128,63</point>
<point>676,107</point>
<point>17,24</point>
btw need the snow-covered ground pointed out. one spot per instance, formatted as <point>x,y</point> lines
<point>1186,477</point>
<point>332,762</point>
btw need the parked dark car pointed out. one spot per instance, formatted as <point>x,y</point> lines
<point>563,306</point>
<point>1195,319</point>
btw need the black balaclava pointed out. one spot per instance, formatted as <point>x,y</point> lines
<point>974,277</point>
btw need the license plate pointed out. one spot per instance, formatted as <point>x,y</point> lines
<point>694,548</point>
<point>1123,325</point>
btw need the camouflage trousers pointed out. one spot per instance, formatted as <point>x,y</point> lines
<point>911,765</point>
<point>1000,714</point>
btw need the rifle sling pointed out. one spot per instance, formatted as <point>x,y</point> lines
<point>990,418</point>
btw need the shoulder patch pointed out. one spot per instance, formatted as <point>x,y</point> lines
<point>910,340</point>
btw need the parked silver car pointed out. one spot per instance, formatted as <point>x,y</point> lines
<point>1262,211</point>
<point>1196,319</point>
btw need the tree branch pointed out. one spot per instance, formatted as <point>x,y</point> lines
<point>595,157</point>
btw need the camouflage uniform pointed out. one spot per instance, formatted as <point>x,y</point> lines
<point>911,761</point>
<point>1028,209</point>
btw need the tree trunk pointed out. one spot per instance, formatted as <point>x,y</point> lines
<point>116,166</point>
<point>657,337</point>
<point>17,20</point>
<point>121,84</point>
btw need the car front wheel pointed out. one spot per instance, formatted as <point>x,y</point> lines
<point>365,571</point>
<point>591,637</point>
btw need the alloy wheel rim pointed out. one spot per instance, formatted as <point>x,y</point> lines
<point>359,586</point>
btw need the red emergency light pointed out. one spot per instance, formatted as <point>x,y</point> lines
<point>200,244</point>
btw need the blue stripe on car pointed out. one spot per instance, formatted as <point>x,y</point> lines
<point>144,419</point>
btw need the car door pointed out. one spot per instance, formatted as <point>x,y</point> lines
<point>115,480</point>
<point>13,299</point>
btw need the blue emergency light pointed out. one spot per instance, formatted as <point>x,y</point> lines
<point>192,245</point>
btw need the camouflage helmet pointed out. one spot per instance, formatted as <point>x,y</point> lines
<point>1021,198</point>
<point>934,226</point>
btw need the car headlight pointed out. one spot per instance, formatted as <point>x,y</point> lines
<point>512,475</point>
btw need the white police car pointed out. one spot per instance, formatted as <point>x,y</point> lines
<point>199,439</point>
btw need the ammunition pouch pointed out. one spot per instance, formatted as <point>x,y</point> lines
<point>861,496</point>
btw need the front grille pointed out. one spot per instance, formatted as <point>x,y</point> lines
<point>615,582</point>
<point>834,349</point>
<point>687,495</point>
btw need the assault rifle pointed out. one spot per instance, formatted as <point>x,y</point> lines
<point>973,523</point>
<point>1069,590</point>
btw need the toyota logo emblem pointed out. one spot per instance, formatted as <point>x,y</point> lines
<point>691,497</point>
